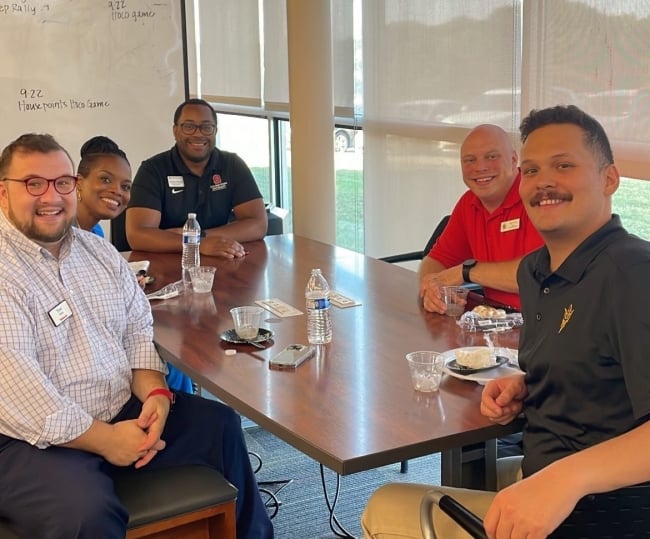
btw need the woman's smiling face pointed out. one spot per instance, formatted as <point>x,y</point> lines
<point>106,190</point>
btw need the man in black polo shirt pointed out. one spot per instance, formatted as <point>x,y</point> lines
<point>195,176</point>
<point>584,350</point>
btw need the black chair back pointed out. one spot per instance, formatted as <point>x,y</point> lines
<point>118,233</point>
<point>418,255</point>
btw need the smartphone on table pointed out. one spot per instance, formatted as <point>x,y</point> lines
<point>292,356</point>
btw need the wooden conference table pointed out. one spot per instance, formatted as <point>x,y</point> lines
<point>352,406</point>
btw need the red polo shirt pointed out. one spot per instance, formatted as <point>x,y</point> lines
<point>502,235</point>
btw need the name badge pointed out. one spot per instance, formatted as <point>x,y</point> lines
<point>175,181</point>
<point>513,224</point>
<point>60,313</point>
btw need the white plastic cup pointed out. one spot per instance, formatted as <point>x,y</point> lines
<point>202,278</point>
<point>455,298</point>
<point>426,370</point>
<point>247,320</point>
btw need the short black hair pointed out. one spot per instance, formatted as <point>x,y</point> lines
<point>193,101</point>
<point>95,147</point>
<point>29,143</point>
<point>594,134</point>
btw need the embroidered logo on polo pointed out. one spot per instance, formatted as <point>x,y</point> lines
<point>568,313</point>
<point>217,183</point>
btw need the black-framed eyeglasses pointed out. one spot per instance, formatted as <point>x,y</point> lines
<point>36,186</point>
<point>188,128</point>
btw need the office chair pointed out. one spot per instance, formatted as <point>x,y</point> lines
<point>118,233</point>
<point>418,255</point>
<point>612,515</point>
<point>184,501</point>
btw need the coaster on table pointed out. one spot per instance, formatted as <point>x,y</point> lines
<point>278,307</point>
<point>338,299</point>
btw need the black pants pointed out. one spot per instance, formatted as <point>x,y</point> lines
<point>66,493</point>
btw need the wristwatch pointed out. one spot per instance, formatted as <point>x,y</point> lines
<point>467,267</point>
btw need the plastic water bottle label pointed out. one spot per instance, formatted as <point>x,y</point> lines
<point>191,238</point>
<point>318,303</point>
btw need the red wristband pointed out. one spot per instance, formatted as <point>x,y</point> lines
<point>162,391</point>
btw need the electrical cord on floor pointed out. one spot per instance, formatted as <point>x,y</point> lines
<point>273,501</point>
<point>259,461</point>
<point>335,525</point>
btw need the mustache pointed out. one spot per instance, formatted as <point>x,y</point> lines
<point>549,195</point>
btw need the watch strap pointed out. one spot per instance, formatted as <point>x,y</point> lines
<point>466,269</point>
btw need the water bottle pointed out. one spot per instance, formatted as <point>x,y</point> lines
<point>191,258</point>
<point>317,297</point>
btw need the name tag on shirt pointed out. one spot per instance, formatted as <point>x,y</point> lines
<point>60,313</point>
<point>513,224</point>
<point>175,181</point>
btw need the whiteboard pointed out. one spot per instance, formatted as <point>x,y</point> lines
<point>79,68</point>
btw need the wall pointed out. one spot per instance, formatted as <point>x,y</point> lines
<point>79,68</point>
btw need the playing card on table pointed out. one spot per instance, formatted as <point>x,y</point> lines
<point>278,307</point>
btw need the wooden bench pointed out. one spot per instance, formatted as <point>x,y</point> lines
<point>193,502</point>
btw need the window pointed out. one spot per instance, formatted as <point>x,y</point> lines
<point>249,89</point>
<point>348,167</point>
<point>631,203</point>
<point>416,76</point>
<point>249,138</point>
<point>429,75</point>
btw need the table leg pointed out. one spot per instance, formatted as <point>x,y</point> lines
<point>471,466</point>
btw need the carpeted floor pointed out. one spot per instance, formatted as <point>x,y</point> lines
<point>303,512</point>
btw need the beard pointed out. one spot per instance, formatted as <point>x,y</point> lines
<point>37,233</point>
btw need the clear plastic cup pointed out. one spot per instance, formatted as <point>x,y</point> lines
<point>426,370</point>
<point>455,298</point>
<point>202,278</point>
<point>247,320</point>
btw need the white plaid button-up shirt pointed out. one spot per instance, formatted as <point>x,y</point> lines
<point>54,379</point>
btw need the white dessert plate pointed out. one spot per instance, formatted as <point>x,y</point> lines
<point>483,376</point>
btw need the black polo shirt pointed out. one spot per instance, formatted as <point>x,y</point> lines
<point>165,184</point>
<point>585,344</point>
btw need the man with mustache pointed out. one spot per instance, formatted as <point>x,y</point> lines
<point>488,232</point>
<point>195,176</point>
<point>583,350</point>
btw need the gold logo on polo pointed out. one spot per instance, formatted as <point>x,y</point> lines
<point>568,313</point>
